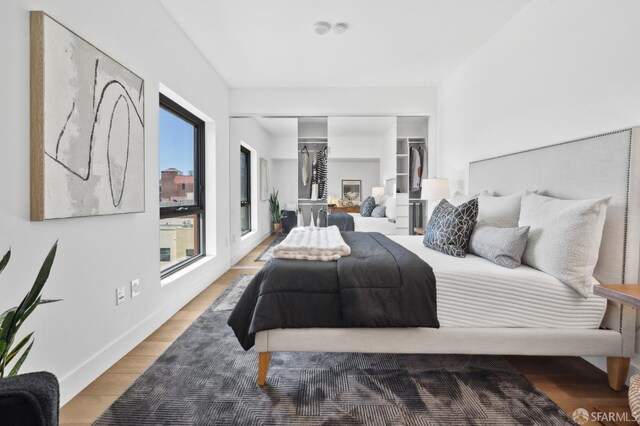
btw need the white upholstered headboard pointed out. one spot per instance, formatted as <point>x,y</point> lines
<point>593,167</point>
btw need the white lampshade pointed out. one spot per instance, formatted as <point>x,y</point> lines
<point>377,192</point>
<point>435,189</point>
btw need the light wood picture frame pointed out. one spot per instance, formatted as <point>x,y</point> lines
<point>87,127</point>
<point>264,179</point>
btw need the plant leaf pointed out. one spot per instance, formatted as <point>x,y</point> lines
<point>41,279</point>
<point>5,260</point>
<point>20,361</point>
<point>4,314</point>
<point>30,309</point>
<point>14,351</point>
<point>6,323</point>
<point>7,333</point>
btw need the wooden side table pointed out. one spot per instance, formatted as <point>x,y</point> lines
<point>418,230</point>
<point>627,294</point>
<point>351,209</point>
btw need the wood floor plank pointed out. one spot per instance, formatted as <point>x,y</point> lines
<point>571,382</point>
<point>85,409</point>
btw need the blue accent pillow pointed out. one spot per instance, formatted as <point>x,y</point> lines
<point>450,227</point>
<point>379,211</point>
<point>367,206</point>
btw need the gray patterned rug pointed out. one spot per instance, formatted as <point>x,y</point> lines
<point>206,378</point>
<point>268,253</point>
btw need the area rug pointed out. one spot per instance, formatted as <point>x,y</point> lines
<point>205,377</point>
<point>268,253</point>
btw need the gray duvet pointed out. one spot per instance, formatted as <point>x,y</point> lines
<point>381,284</point>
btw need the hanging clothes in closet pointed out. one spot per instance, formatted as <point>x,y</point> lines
<point>314,175</point>
<point>418,163</point>
<point>304,167</point>
<point>415,170</point>
<point>321,173</point>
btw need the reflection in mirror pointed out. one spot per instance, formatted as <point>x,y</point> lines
<point>362,161</point>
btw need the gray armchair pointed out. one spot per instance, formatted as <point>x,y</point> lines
<point>30,399</point>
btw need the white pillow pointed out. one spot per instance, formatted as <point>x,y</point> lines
<point>382,201</point>
<point>564,237</point>
<point>502,212</point>
<point>390,212</point>
<point>460,198</point>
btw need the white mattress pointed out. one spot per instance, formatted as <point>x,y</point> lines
<point>373,224</point>
<point>474,292</point>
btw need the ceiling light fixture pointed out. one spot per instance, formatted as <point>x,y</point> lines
<point>340,28</point>
<point>321,28</point>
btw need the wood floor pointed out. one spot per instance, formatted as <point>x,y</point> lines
<point>570,382</point>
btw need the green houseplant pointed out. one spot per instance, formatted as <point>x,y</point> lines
<point>12,319</point>
<point>274,206</point>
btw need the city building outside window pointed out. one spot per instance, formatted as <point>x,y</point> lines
<point>182,189</point>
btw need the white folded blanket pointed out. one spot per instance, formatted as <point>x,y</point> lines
<point>312,244</point>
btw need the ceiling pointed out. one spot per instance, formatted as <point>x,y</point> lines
<point>259,43</point>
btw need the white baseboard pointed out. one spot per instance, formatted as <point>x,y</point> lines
<point>87,372</point>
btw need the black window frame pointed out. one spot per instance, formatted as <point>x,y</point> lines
<point>247,152</point>
<point>199,187</point>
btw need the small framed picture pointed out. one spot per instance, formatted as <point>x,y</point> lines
<point>351,190</point>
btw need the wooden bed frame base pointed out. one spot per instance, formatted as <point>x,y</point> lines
<point>617,369</point>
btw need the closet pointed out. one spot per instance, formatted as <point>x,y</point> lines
<point>312,170</point>
<point>412,166</point>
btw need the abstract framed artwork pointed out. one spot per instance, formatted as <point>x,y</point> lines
<point>351,190</point>
<point>264,179</point>
<point>87,127</point>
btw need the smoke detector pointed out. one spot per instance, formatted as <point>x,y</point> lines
<point>321,28</point>
<point>340,28</point>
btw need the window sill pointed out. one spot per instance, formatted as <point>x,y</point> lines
<point>247,235</point>
<point>186,270</point>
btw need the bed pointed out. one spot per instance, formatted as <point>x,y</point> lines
<point>373,224</point>
<point>503,316</point>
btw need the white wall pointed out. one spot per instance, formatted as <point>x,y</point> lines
<point>79,338</point>
<point>558,70</point>
<point>388,155</point>
<point>285,180</point>
<point>354,147</point>
<point>249,132</point>
<point>366,170</point>
<point>387,101</point>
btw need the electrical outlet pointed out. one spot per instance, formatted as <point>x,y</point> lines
<point>119,295</point>
<point>135,287</point>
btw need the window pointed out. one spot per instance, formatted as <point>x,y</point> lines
<point>245,190</point>
<point>165,254</point>
<point>182,203</point>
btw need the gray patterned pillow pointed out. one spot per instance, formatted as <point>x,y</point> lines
<point>450,227</point>
<point>379,211</point>
<point>367,206</point>
<point>502,246</point>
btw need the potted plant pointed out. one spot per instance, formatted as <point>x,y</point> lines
<point>274,206</point>
<point>39,391</point>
